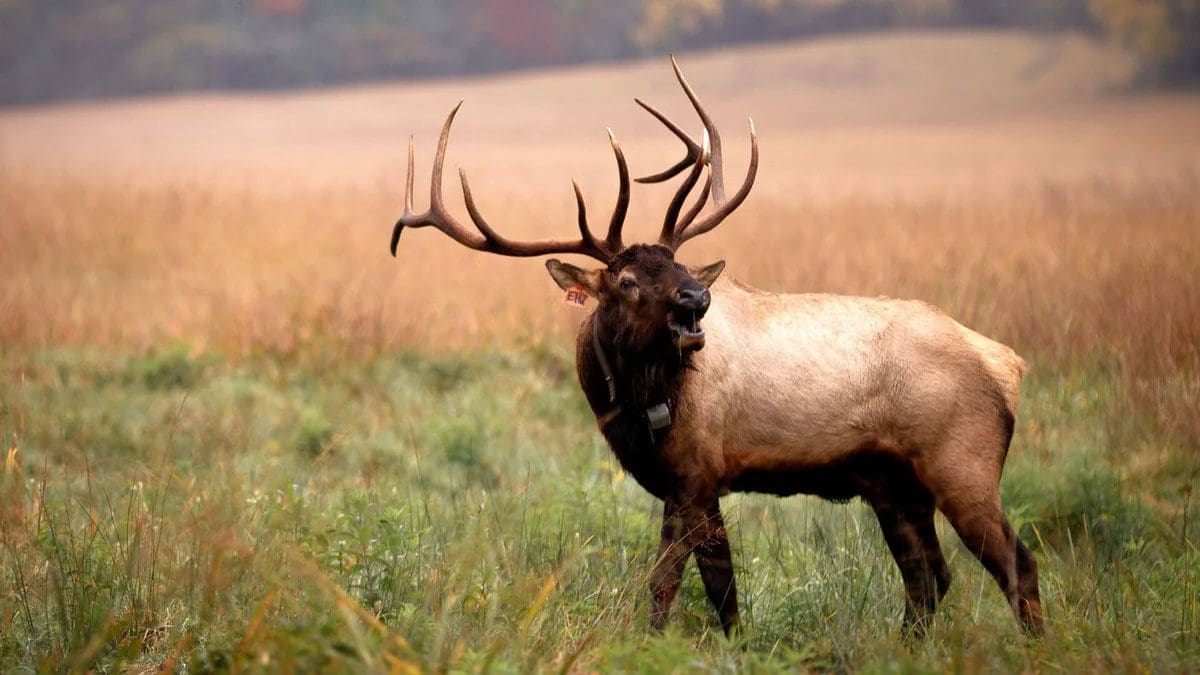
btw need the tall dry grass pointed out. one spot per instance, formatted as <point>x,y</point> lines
<point>1105,265</point>
<point>1011,189</point>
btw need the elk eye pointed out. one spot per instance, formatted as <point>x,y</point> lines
<point>628,284</point>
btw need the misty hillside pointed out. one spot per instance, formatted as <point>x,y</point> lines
<point>76,49</point>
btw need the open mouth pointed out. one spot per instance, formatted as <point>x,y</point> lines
<point>687,336</point>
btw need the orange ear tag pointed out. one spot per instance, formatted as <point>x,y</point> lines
<point>576,297</point>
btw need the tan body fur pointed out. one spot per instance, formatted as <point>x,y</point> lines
<point>801,381</point>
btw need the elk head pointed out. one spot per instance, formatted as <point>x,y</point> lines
<point>647,298</point>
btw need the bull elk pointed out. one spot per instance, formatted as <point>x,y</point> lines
<point>888,400</point>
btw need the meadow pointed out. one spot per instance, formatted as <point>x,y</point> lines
<point>238,435</point>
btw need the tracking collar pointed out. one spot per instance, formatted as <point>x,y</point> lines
<point>657,416</point>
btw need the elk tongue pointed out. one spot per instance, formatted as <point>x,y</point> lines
<point>688,336</point>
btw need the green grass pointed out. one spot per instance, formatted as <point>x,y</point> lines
<point>460,512</point>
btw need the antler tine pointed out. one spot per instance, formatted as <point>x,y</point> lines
<point>488,239</point>
<point>677,232</point>
<point>714,138</point>
<point>489,234</point>
<point>713,219</point>
<point>436,215</point>
<point>699,205</point>
<point>408,190</point>
<point>613,240</point>
<point>408,183</point>
<point>693,148</point>
<point>671,219</point>
<point>585,232</point>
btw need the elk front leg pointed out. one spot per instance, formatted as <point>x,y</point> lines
<point>694,526</point>
<point>715,561</point>
<point>673,553</point>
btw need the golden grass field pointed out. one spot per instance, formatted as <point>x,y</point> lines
<point>999,176</point>
<point>151,248</point>
<point>995,175</point>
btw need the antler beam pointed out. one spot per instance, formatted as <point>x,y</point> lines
<point>488,239</point>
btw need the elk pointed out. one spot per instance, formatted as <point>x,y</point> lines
<point>888,400</point>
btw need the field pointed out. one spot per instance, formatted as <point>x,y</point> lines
<point>239,435</point>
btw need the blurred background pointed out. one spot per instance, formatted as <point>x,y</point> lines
<point>77,49</point>
<point>239,435</point>
<point>227,172</point>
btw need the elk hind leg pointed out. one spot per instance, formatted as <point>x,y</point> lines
<point>978,518</point>
<point>1030,607</point>
<point>906,518</point>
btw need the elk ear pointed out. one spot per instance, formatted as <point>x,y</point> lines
<point>709,273</point>
<point>568,276</point>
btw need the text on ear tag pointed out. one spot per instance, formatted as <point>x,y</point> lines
<point>576,296</point>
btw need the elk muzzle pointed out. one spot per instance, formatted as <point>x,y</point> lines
<point>690,302</point>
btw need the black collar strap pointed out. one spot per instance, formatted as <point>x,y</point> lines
<point>657,416</point>
<point>611,415</point>
<point>608,376</point>
<point>603,420</point>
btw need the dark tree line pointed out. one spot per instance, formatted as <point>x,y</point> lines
<point>58,49</point>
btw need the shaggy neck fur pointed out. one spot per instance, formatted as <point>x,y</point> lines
<point>643,379</point>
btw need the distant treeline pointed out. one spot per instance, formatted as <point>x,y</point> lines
<point>59,49</point>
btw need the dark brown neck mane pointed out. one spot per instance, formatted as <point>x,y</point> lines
<point>643,379</point>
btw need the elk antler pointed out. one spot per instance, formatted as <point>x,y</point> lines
<point>676,232</point>
<point>671,221</point>
<point>488,239</point>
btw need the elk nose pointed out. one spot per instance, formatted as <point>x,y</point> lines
<point>693,299</point>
